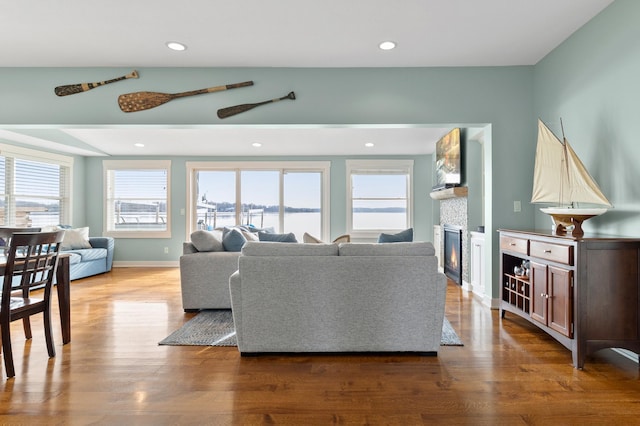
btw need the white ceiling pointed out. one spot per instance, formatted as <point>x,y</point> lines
<point>277,33</point>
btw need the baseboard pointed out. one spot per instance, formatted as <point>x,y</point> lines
<point>466,286</point>
<point>147,264</point>
<point>492,303</point>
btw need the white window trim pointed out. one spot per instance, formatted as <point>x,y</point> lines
<point>377,166</point>
<point>66,211</point>
<point>108,165</point>
<point>321,166</point>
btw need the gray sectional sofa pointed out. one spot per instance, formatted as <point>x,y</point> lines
<point>352,297</point>
<point>207,262</point>
<point>204,277</point>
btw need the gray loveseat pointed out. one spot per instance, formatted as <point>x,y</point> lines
<point>352,297</point>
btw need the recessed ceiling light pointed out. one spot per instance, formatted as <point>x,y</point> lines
<point>256,144</point>
<point>369,144</point>
<point>138,145</point>
<point>387,45</point>
<point>174,45</point>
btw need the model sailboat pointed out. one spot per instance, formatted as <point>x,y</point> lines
<point>561,179</point>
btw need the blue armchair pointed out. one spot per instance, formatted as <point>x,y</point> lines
<point>91,261</point>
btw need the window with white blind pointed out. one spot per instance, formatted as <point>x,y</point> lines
<point>379,196</point>
<point>35,187</point>
<point>137,199</point>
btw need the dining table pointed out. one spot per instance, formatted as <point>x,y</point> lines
<point>63,287</point>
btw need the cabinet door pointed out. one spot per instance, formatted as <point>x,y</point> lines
<point>560,300</point>
<point>539,293</point>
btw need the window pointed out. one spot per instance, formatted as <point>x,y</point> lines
<point>378,196</point>
<point>137,199</point>
<point>285,196</point>
<point>35,187</point>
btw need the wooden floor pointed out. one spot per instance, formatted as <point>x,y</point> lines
<point>114,373</point>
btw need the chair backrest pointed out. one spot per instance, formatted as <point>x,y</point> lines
<point>6,232</point>
<point>31,262</point>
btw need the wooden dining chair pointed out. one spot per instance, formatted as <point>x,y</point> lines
<point>31,262</point>
<point>5,236</point>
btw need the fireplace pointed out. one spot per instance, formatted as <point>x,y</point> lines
<point>453,252</point>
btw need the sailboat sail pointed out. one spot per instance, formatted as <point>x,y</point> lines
<point>559,176</point>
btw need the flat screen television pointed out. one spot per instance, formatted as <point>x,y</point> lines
<point>449,160</point>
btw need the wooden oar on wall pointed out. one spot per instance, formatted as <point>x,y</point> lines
<point>237,109</point>
<point>71,89</point>
<point>139,101</point>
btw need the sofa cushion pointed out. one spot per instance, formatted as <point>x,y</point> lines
<point>403,236</point>
<point>74,258</point>
<point>398,249</point>
<point>233,240</point>
<point>279,238</point>
<point>252,248</point>
<point>250,235</point>
<point>310,239</point>
<point>346,238</point>
<point>87,255</point>
<point>75,238</point>
<point>207,240</point>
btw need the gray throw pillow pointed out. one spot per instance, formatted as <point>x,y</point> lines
<point>207,240</point>
<point>233,240</point>
<point>279,238</point>
<point>400,237</point>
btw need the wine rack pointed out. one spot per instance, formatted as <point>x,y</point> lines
<point>517,292</point>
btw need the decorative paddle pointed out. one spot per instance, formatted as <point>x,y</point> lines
<point>71,89</point>
<point>233,110</point>
<point>139,101</point>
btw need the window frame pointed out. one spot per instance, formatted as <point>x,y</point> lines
<point>111,165</point>
<point>398,167</point>
<point>324,167</point>
<point>63,161</point>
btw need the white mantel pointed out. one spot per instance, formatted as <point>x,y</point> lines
<point>455,192</point>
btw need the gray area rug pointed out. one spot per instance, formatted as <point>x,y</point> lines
<point>215,328</point>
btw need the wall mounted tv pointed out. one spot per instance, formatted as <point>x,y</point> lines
<point>449,164</point>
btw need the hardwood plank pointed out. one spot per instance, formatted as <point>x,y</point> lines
<point>114,372</point>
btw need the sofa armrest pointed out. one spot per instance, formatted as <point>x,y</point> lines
<point>188,248</point>
<point>105,243</point>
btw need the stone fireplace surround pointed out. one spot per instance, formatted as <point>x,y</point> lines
<point>453,211</point>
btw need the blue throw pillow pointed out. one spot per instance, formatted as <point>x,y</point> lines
<point>279,238</point>
<point>233,240</point>
<point>400,237</point>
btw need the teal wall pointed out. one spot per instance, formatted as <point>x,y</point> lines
<point>592,82</point>
<point>496,99</point>
<point>473,172</point>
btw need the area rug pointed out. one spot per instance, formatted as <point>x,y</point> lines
<point>215,328</point>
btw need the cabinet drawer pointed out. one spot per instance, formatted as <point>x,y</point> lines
<point>519,245</point>
<point>554,252</point>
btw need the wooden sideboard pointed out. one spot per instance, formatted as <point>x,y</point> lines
<point>583,291</point>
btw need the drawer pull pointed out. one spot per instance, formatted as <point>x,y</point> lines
<point>547,251</point>
<point>512,244</point>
